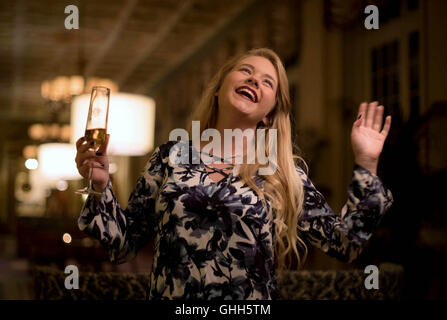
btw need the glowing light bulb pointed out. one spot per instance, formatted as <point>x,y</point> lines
<point>66,238</point>
<point>31,164</point>
<point>62,185</point>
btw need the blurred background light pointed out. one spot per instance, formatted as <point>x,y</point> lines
<point>66,238</point>
<point>31,164</point>
<point>62,185</point>
<point>131,123</point>
<point>29,151</point>
<point>113,168</point>
<point>57,161</point>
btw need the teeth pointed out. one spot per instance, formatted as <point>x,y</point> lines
<point>249,93</point>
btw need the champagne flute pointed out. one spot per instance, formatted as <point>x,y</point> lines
<point>96,128</point>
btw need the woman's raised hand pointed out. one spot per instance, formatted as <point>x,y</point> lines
<point>86,159</point>
<point>368,136</point>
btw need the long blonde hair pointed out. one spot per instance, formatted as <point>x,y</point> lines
<point>284,188</point>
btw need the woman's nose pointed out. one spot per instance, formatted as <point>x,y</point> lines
<point>251,80</point>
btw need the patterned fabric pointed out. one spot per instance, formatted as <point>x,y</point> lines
<point>214,240</point>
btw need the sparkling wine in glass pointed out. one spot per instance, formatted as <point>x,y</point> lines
<point>96,128</point>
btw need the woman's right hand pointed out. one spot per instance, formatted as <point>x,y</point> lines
<point>86,159</point>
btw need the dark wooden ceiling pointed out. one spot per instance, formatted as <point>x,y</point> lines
<point>136,43</point>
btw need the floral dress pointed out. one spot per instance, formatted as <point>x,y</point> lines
<point>215,240</point>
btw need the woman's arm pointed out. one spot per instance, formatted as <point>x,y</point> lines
<point>342,235</point>
<point>124,232</point>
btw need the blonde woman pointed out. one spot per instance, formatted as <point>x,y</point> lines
<point>221,230</point>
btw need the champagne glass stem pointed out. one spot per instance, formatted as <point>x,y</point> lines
<point>90,182</point>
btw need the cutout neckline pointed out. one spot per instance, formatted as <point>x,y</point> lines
<point>218,171</point>
<point>225,173</point>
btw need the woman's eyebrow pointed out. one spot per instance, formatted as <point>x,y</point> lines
<point>252,68</point>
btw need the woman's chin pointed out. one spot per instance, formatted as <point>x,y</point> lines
<point>243,107</point>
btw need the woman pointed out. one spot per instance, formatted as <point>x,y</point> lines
<point>224,231</point>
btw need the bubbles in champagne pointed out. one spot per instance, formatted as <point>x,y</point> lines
<point>95,137</point>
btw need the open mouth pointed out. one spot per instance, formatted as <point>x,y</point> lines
<point>248,93</point>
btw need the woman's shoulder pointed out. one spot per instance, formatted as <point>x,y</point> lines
<point>166,149</point>
<point>159,157</point>
<point>302,169</point>
<point>303,173</point>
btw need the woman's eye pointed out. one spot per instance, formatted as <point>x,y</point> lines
<point>245,70</point>
<point>269,83</point>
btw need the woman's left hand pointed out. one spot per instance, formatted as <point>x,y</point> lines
<point>368,136</point>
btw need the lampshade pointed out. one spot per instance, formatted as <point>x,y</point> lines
<point>131,123</point>
<point>57,161</point>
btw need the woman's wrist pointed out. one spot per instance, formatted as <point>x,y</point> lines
<point>99,187</point>
<point>368,164</point>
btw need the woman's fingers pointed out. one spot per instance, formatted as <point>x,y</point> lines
<point>95,163</point>
<point>81,157</point>
<point>84,168</point>
<point>80,142</point>
<point>85,146</point>
<point>386,126</point>
<point>87,164</point>
<point>378,119</point>
<point>84,171</point>
<point>362,112</point>
<point>103,149</point>
<point>372,117</point>
<point>88,161</point>
<point>370,114</point>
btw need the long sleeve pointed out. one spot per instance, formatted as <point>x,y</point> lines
<point>342,235</point>
<point>124,232</point>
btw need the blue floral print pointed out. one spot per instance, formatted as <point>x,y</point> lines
<point>214,240</point>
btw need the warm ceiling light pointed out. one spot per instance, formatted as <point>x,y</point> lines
<point>131,123</point>
<point>92,82</point>
<point>65,132</point>
<point>53,131</point>
<point>37,132</point>
<point>30,152</point>
<point>76,85</point>
<point>63,88</point>
<point>56,161</point>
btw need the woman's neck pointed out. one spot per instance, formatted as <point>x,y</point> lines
<point>231,144</point>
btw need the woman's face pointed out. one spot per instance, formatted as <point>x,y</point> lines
<point>249,89</point>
